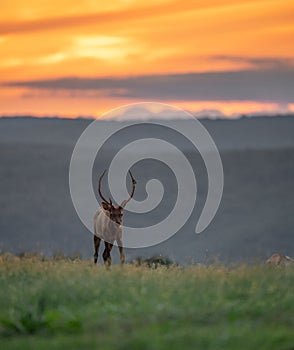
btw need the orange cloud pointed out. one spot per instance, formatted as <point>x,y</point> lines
<point>57,39</point>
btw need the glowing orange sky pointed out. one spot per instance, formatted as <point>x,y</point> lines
<point>72,38</point>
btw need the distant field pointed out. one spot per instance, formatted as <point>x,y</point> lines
<point>255,218</point>
<point>58,304</point>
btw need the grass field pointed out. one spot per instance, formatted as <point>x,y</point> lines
<point>60,304</point>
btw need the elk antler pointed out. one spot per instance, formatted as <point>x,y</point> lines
<point>99,188</point>
<point>123,204</point>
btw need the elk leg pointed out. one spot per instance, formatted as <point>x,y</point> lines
<point>97,241</point>
<point>121,252</point>
<point>106,254</point>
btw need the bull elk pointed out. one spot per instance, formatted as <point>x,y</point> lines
<point>108,225</point>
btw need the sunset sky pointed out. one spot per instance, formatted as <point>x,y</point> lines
<point>73,57</point>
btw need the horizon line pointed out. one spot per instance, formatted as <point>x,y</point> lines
<point>237,116</point>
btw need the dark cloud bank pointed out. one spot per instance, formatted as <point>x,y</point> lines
<point>263,85</point>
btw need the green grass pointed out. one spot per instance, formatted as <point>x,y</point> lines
<point>60,304</point>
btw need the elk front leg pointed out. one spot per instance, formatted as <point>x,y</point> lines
<point>106,254</point>
<point>121,251</point>
<point>97,241</point>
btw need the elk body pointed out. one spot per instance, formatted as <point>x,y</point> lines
<point>108,225</point>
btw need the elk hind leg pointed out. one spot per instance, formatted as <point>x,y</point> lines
<point>121,252</point>
<point>106,254</point>
<point>97,241</point>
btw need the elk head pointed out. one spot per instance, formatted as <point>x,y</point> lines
<point>115,213</point>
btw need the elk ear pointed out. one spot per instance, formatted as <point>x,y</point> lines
<point>105,206</point>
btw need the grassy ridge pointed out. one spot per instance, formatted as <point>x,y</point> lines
<point>55,304</point>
